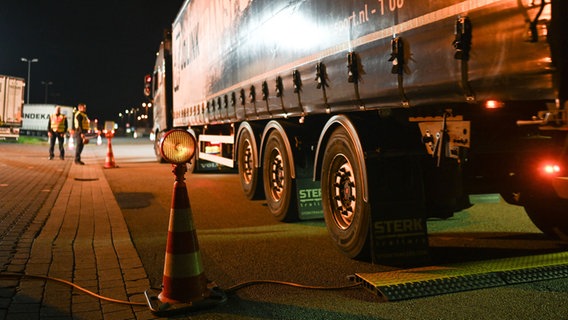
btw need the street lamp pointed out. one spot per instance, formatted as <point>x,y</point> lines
<point>46,83</point>
<point>29,61</point>
<point>146,106</point>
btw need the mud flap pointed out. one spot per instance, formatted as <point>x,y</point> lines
<point>308,191</point>
<point>398,228</point>
<point>309,199</point>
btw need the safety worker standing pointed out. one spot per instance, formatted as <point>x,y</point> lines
<point>56,130</point>
<point>81,125</point>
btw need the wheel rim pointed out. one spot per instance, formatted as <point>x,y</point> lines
<point>277,175</point>
<point>344,194</point>
<point>248,162</point>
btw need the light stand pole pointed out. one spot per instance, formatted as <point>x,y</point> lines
<point>29,61</point>
<point>46,84</point>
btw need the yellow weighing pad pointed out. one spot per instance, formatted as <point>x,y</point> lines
<point>436,280</point>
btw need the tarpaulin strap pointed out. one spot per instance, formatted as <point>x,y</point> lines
<point>397,56</point>
<point>265,94</point>
<point>321,79</point>
<point>297,81</point>
<point>252,97</point>
<point>462,44</point>
<point>397,59</point>
<point>354,71</point>
<point>533,24</point>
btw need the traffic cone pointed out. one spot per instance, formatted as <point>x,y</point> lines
<point>184,285</point>
<point>109,160</point>
<point>184,279</point>
<point>71,144</point>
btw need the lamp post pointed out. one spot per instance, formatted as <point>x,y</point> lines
<point>46,84</point>
<point>29,61</point>
<point>146,106</point>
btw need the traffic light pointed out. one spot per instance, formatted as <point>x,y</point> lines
<point>148,85</point>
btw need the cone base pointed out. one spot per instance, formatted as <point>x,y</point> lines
<point>159,308</point>
<point>110,164</point>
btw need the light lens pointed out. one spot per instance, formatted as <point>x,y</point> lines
<point>493,104</point>
<point>551,169</point>
<point>178,146</point>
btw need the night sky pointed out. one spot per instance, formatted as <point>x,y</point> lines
<point>93,51</point>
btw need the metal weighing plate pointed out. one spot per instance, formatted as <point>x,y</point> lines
<point>436,280</point>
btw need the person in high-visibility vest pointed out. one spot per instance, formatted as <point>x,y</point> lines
<point>56,130</point>
<point>81,125</point>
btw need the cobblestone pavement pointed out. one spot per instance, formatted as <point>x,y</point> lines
<point>60,220</point>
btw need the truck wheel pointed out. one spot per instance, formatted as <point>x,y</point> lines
<point>248,168</point>
<point>278,183</point>
<point>347,216</point>
<point>550,216</point>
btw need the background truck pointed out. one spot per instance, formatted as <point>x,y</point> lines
<point>11,103</point>
<point>36,116</point>
<point>380,114</point>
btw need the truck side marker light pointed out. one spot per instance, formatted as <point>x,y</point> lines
<point>493,104</point>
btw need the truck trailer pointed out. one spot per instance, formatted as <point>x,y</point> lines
<point>11,103</point>
<point>36,118</point>
<point>376,114</point>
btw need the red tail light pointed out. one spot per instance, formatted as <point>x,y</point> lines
<point>551,169</point>
<point>493,104</point>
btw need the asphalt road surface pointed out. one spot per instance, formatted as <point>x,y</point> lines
<point>240,242</point>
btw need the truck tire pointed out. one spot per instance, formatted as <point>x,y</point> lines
<point>347,216</point>
<point>279,187</point>
<point>550,216</point>
<point>249,174</point>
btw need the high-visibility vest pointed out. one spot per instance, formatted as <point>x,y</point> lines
<point>84,125</point>
<point>58,122</point>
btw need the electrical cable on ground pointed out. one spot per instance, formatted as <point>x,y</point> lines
<point>231,289</point>
<point>71,284</point>
<point>291,284</point>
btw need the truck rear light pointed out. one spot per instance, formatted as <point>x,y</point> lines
<point>212,148</point>
<point>551,169</point>
<point>494,104</point>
